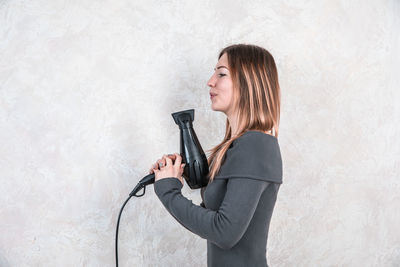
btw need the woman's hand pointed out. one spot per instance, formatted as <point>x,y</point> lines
<point>168,168</point>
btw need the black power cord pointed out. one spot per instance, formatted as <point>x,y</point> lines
<point>133,193</point>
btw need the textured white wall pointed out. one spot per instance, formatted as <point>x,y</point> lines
<point>86,93</point>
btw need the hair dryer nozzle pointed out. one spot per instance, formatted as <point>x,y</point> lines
<point>184,118</point>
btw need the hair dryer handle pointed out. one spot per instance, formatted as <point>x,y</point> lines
<point>148,179</point>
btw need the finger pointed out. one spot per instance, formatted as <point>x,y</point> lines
<point>172,156</point>
<point>168,161</point>
<point>178,160</point>
<point>160,161</point>
<point>153,167</point>
<point>165,156</point>
<point>182,170</point>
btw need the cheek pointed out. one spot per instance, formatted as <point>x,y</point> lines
<point>226,88</point>
<point>225,94</point>
<point>224,99</point>
<point>228,95</point>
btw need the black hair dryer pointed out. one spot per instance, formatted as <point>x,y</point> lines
<point>196,169</point>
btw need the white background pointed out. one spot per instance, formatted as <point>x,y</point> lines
<point>87,89</point>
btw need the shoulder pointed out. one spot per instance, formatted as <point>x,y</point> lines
<point>254,155</point>
<point>256,142</point>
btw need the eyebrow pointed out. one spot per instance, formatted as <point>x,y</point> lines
<point>221,67</point>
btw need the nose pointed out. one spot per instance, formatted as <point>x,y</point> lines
<point>211,81</point>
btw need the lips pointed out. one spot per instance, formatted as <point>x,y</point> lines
<point>212,94</point>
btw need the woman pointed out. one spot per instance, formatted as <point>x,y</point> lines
<point>245,168</point>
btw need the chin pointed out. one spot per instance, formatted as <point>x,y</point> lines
<point>213,107</point>
<point>216,109</point>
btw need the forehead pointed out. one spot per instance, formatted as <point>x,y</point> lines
<point>223,59</point>
<point>222,62</point>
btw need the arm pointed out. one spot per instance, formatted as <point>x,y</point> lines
<point>224,227</point>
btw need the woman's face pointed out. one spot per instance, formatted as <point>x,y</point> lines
<point>221,85</point>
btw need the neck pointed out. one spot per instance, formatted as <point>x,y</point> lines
<point>233,122</point>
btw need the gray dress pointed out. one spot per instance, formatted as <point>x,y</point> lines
<point>237,206</point>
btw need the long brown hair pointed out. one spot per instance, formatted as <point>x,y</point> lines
<point>256,96</point>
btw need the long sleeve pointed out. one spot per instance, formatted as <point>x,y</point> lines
<point>224,227</point>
